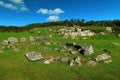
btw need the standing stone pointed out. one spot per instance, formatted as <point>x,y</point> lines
<point>31,38</point>
<point>32,56</point>
<point>23,39</point>
<point>72,63</point>
<point>78,60</point>
<point>88,50</point>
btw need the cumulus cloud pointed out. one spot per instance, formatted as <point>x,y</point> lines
<point>43,11</point>
<point>17,5</point>
<point>53,18</point>
<point>49,12</point>
<point>53,14</point>
<point>8,5</point>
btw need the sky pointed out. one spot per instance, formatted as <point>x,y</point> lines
<point>24,12</point>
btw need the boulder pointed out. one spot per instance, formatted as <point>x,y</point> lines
<point>109,29</point>
<point>12,40</point>
<point>102,57</point>
<point>88,50</point>
<point>32,56</point>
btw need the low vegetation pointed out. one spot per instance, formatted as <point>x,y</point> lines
<point>14,65</point>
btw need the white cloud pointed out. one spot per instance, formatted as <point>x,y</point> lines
<point>43,11</point>
<point>17,5</point>
<point>46,11</point>
<point>17,1</point>
<point>23,8</point>
<point>53,18</point>
<point>8,5</point>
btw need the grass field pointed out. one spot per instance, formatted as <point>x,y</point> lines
<point>15,66</point>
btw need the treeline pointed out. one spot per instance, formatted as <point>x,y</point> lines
<point>72,22</point>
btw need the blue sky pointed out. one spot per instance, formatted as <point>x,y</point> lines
<point>23,12</point>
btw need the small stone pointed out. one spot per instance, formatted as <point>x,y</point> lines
<point>49,61</point>
<point>118,35</point>
<point>91,63</point>
<point>31,38</point>
<point>64,59</point>
<point>108,61</point>
<point>72,63</point>
<point>73,52</point>
<point>23,39</point>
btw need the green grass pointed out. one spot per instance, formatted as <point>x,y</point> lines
<point>15,66</point>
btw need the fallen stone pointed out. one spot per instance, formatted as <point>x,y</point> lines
<point>73,52</point>
<point>102,57</point>
<point>12,40</point>
<point>115,43</point>
<point>32,56</point>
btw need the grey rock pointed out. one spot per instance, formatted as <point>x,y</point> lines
<point>32,56</point>
<point>109,29</point>
<point>48,61</point>
<point>88,50</point>
<point>108,61</point>
<point>73,52</point>
<point>102,57</point>
<point>72,63</point>
<point>78,60</point>
<point>12,40</point>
